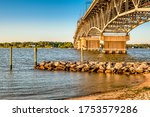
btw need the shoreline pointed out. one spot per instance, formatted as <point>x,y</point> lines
<point>139,92</point>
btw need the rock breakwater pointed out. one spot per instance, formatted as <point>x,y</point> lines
<point>97,67</point>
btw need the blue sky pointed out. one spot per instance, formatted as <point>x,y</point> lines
<point>48,20</point>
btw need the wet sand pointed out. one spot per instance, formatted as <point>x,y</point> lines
<point>140,92</point>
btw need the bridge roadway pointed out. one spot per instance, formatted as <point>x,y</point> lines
<point>110,22</point>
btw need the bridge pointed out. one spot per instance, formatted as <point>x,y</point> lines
<point>110,22</point>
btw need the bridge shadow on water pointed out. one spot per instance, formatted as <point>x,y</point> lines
<point>133,55</point>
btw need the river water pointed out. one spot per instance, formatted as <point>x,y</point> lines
<point>23,82</point>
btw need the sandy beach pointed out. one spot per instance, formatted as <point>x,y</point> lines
<point>140,92</point>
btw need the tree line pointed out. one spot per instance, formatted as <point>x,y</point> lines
<point>47,44</point>
<point>41,44</point>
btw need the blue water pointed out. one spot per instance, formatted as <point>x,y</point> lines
<point>23,82</point>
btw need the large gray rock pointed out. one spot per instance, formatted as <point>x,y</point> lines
<point>73,70</point>
<point>108,71</point>
<point>100,71</point>
<point>118,65</point>
<point>109,66</point>
<point>93,70</point>
<point>130,64</point>
<point>68,65</point>
<point>50,68</point>
<point>85,69</point>
<point>42,63</point>
<point>60,68</point>
<point>73,65</point>
<point>56,64</point>
<point>80,67</point>
<point>139,70</point>
<point>148,69</point>
<point>92,63</point>
<point>101,67</point>
<point>46,66</point>
<point>78,63</point>
<point>144,66</point>
<point>62,62</point>
<point>42,68</point>
<point>132,70</point>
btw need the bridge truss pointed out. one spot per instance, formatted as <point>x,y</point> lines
<point>112,16</point>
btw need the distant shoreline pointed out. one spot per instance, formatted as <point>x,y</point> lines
<point>49,44</point>
<point>41,44</point>
<point>33,47</point>
<point>59,47</point>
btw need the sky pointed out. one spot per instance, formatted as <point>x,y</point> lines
<point>48,20</point>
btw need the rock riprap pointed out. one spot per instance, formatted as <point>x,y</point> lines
<point>97,67</point>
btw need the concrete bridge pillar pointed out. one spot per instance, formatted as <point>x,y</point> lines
<point>115,44</point>
<point>93,44</point>
<point>83,43</point>
<point>89,43</point>
<point>78,44</point>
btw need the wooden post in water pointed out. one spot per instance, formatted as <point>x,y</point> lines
<point>82,54</point>
<point>11,56</point>
<point>35,56</point>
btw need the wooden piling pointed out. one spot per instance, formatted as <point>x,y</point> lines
<point>35,56</point>
<point>11,56</point>
<point>82,59</point>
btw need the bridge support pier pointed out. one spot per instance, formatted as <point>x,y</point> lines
<point>83,43</point>
<point>78,46</point>
<point>115,44</point>
<point>93,44</point>
<point>88,43</point>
